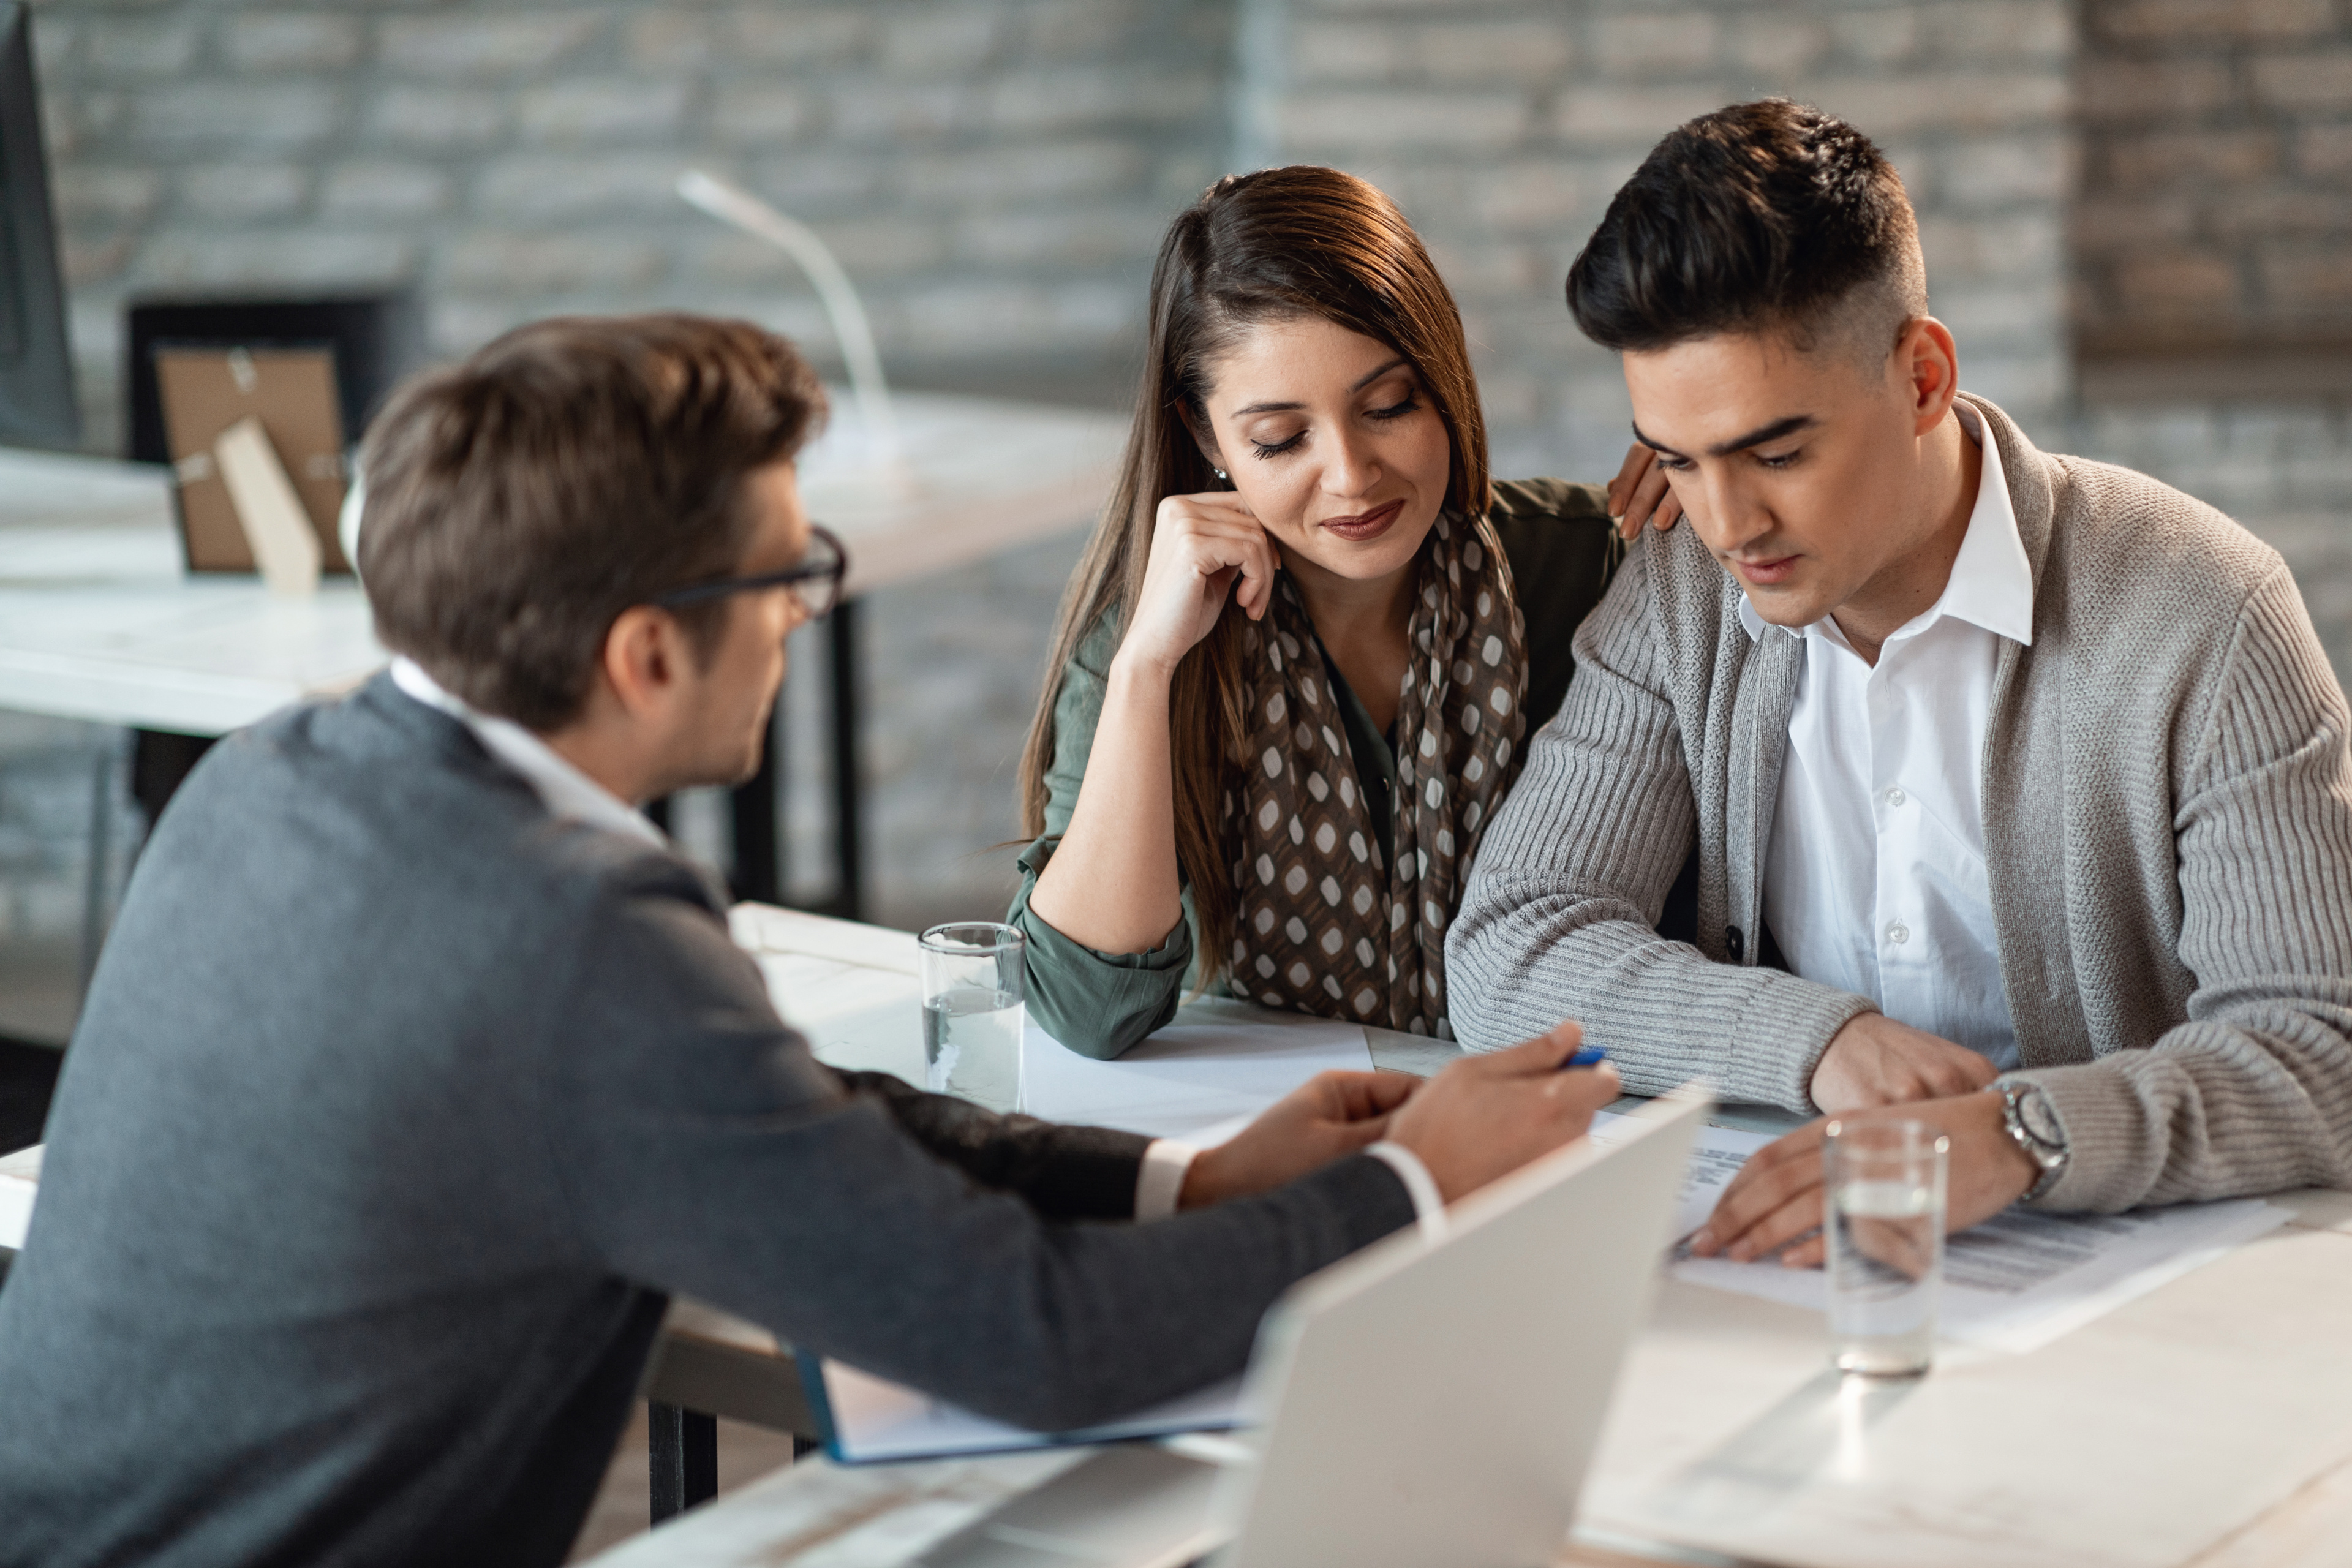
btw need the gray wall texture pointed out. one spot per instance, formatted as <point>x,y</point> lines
<point>995,174</point>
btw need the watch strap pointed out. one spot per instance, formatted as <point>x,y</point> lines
<point>2048,1157</point>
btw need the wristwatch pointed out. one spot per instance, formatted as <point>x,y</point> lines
<point>2025,1112</point>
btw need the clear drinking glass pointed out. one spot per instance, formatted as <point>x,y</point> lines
<point>1882,1186</point>
<point>973,1012</point>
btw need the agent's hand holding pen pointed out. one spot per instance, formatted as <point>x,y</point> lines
<point>1482,1118</point>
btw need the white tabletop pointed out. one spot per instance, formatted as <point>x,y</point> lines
<point>2207,1424</point>
<point>99,621</point>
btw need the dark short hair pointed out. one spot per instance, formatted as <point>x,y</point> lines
<point>517,503</point>
<point>1765,216</point>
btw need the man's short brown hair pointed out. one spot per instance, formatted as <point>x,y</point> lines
<point>517,503</point>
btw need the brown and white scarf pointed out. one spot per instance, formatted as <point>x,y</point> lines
<point>1322,926</point>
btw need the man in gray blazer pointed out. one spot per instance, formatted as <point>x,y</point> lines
<point>419,1069</point>
<point>2013,789</point>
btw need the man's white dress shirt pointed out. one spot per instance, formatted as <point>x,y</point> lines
<point>571,795</point>
<point>1875,880</point>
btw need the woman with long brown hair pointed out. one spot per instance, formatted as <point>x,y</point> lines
<point>1293,792</point>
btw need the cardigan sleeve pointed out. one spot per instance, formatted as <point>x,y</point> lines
<point>2252,1093</point>
<point>1098,1003</point>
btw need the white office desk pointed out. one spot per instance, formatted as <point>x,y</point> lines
<point>99,621</point>
<point>2207,1424</point>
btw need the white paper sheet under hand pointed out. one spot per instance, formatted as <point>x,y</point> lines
<point>1221,1064</point>
<point>2014,1283</point>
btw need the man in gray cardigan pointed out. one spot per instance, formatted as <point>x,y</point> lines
<point>419,1069</point>
<point>2013,790</point>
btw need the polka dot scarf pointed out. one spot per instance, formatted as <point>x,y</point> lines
<point>1323,926</point>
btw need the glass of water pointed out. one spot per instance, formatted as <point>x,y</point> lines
<point>973,1012</point>
<point>1882,1186</point>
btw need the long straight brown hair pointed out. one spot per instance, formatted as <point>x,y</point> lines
<point>1279,245</point>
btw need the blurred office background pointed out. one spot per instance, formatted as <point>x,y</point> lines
<point>2136,214</point>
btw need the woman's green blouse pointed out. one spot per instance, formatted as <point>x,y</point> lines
<point>1562,551</point>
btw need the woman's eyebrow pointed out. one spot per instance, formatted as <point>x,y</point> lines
<point>1285,407</point>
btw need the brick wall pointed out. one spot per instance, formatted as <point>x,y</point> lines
<point>994,172</point>
<point>2217,176</point>
<point>1505,128</point>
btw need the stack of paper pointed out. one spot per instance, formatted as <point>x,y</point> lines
<point>20,1177</point>
<point>1200,1079</point>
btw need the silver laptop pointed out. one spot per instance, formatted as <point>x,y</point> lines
<point>1418,1404</point>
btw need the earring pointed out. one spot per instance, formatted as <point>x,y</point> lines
<point>1220,474</point>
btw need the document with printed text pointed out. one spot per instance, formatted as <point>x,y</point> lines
<point>2014,1283</point>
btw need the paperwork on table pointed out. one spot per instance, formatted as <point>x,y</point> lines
<point>868,1420</point>
<point>1199,1080</point>
<point>2014,1283</point>
<point>20,1177</point>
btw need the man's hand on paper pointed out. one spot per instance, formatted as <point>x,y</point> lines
<point>1486,1116</point>
<point>1777,1196</point>
<point>1873,1060</point>
<point>1330,1115</point>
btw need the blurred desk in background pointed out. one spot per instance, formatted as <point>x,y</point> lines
<point>99,621</point>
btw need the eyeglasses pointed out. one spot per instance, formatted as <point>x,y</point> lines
<point>816,582</point>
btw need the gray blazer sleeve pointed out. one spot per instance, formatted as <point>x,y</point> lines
<point>704,1151</point>
<point>1559,919</point>
<point>2253,1092</point>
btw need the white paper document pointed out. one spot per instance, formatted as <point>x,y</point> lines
<point>1715,1160</point>
<point>1195,1078</point>
<point>20,1177</point>
<point>2014,1283</point>
<point>869,1420</point>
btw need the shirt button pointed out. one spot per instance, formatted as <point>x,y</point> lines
<point>1895,795</point>
<point>1898,934</point>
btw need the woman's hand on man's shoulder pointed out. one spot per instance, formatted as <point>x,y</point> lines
<point>1640,494</point>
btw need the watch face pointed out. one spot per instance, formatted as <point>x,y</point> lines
<point>2041,1122</point>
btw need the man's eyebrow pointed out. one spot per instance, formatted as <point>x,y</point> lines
<point>1285,407</point>
<point>1651,443</point>
<point>1755,438</point>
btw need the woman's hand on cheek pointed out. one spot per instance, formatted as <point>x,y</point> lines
<point>1203,548</point>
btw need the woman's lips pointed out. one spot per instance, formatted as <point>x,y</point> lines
<point>1766,574</point>
<point>1364,525</point>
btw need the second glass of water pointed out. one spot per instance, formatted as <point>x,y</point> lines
<point>973,1012</point>
<point>1883,1188</point>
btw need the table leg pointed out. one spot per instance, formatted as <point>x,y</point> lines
<point>684,1447</point>
<point>849,901</point>
<point>759,869</point>
<point>160,761</point>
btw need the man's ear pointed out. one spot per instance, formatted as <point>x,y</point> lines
<point>642,654</point>
<point>1930,363</point>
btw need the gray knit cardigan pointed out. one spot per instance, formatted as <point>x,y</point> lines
<point>2168,800</point>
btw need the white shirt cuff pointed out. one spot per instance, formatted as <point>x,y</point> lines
<point>1160,1180</point>
<point>1428,1204</point>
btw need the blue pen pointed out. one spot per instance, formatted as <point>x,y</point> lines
<point>1589,1056</point>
